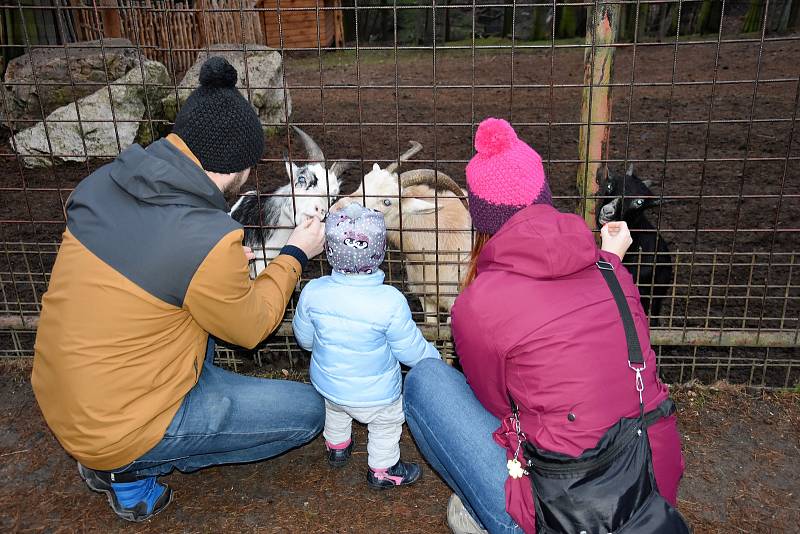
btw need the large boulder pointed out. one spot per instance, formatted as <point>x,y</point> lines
<point>264,75</point>
<point>50,78</point>
<point>96,134</point>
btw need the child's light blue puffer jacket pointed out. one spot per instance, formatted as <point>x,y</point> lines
<point>357,330</point>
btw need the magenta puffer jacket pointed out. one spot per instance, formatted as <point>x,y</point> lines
<point>540,323</point>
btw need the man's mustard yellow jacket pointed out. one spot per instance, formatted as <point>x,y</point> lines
<point>150,265</point>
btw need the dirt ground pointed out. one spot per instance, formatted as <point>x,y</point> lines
<point>741,475</point>
<point>733,181</point>
<point>741,448</point>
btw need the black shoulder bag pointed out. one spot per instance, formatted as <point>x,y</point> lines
<point>610,489</point>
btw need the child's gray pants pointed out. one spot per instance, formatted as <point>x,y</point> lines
<point>385,424</point>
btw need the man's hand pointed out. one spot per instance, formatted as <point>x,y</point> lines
<point>616,238</point>
<point>309,237</point>
<point>249,254</point>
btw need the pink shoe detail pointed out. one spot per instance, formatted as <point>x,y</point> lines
<point>383,474</point>
<point>337,446</point>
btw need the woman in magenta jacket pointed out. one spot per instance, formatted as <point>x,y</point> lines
<point>536,320</point>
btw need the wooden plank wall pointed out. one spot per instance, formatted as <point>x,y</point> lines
<point>172,31</point>
<point>298,29</point>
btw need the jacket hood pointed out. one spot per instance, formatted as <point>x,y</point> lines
<point>163,175</point>
<point>540,242</point>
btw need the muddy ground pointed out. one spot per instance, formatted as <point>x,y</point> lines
<point>734,181</point>
<point>741,448</point>
<point>741,475</point>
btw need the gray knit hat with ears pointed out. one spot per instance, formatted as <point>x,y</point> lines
<point>356,240</point>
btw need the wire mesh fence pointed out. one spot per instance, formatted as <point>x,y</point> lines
<point>700,97</point>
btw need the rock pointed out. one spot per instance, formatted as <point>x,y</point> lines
<point>264,74</point>
<point>96,130</point>
<point>59,81</point>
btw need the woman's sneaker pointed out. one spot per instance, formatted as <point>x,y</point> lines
<point>459,519</point>
<point>338,455</point>
<point>400,474</point>
<point>132,500</point>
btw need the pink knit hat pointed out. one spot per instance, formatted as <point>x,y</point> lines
<point>505,176</point>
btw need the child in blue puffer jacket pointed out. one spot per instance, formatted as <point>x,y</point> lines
<point>357,330</point>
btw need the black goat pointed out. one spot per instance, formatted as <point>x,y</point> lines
<point>626,198</point>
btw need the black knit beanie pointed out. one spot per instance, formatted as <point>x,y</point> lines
<point>218,124</point>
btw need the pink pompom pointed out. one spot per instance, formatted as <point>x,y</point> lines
<point>494,136</point>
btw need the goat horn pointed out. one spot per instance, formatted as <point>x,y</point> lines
<point>339,167</point>
<point>312,149</point>
<point>405,156</point>
<point>434,179</point>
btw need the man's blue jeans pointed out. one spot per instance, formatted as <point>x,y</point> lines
<point>230,418</point>
<point>454,433</point>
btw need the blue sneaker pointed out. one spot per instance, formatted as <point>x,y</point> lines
<point>131,498</point>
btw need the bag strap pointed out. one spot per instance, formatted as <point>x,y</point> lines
<point>634,348</point>
<point>635,362</point>
<point>635,357</point>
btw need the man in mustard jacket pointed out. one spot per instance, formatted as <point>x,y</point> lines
<point>149,269</point>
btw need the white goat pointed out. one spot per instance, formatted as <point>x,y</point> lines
<point>436,232</point>
<point>270,219</point>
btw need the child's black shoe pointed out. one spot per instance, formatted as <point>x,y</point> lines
<point>400,474</point>
<point>338,457</point>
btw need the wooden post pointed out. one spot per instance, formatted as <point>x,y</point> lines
<point>202,28</point>
<point>112,23</point>
<point>601,31</point>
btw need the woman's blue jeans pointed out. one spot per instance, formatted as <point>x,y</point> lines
<point>454,433</point>
<point>230,418</point>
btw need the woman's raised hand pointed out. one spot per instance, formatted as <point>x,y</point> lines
<point>616,238</point>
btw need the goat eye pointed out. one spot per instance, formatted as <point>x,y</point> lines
<point>301,181</point>
<point>387,202</point>
<point>639,201</point>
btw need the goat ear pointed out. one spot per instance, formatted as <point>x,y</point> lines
<point>416,206</point>
<point>630,170</point>
<point>601,174</point>
<point>292,170</point>
<point>376,167</point>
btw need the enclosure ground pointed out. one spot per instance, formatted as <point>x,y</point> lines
<point>724,148</point>
<point>742,475</point>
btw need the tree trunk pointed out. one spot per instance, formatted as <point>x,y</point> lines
<point>508,20</point>
<point>708,18</point>
<point>785,17</point>
<point>627,22</point>
<point>540,29</point>
<point>364,22</point>
<point>386,28</point>
<point>644,14</point>
<point>752,20</point>
<point>668,22</point>
<point>567,22</point>
<point>593,140</point>
<point>447,21</point>
<point>420,26</point>
<point>794,15</point>
<point>348,20</point>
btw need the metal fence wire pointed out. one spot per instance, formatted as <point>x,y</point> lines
<point>701,97</point>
